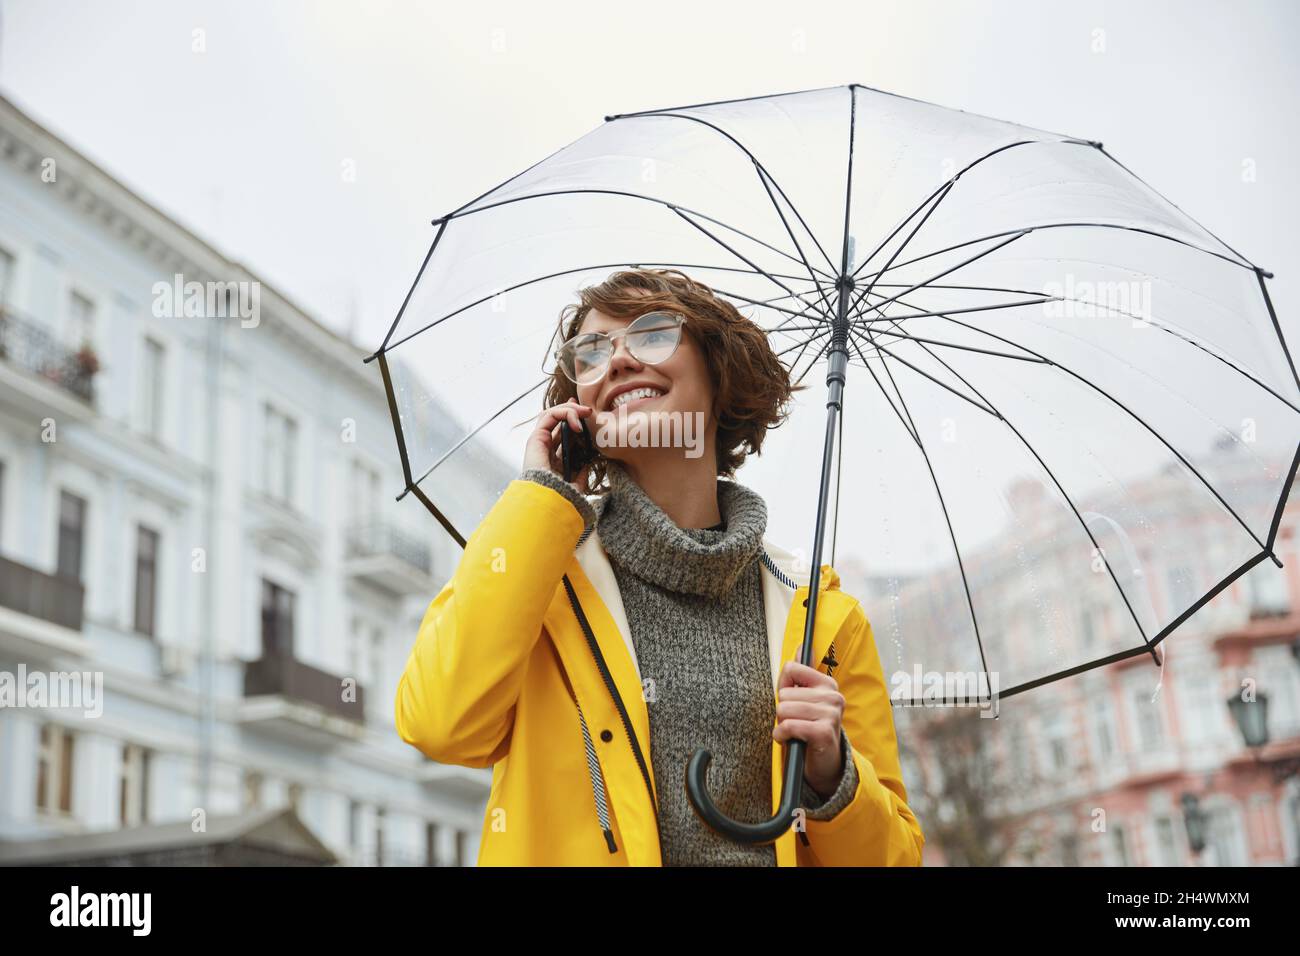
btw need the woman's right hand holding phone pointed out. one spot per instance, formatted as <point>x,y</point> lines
<point>543,447</point>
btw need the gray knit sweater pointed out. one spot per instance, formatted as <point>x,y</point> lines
<point>694,604</point>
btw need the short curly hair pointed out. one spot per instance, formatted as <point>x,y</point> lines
<point>752,388</point>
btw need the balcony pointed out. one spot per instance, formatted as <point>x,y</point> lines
<point>300,703</point>
<point>388,559</point>
<point>44,375</point>
<point>40,614</point>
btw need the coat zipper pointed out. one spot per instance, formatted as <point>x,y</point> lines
<point>618,701</point>
<point>597,781</point>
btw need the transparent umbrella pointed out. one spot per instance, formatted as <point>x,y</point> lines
<point>1059,414</point>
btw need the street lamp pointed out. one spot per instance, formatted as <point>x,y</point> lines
<point>1194,820</point>
<point>1251,718</point>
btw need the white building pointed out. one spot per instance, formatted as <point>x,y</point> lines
<point>220,492</point>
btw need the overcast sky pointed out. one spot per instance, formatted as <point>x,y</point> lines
<point>431,104</point>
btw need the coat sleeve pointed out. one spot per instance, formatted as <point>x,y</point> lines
<point>456,697</point>
<point>876,828</point>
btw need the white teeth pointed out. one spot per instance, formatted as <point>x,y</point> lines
<point>633,395</point>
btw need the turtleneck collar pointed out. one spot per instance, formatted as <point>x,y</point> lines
<point>642,539</point>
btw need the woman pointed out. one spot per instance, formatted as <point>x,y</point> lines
<point>597,632</point>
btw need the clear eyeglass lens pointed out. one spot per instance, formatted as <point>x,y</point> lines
<point>651,339</point>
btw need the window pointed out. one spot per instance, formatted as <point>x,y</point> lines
<point>1069,850</point>
<point>377,678</point>
<point>1151,732</point>
<point>295,796</point>
<point>1088,627</point>
<point>54,770</point>
<point>430,844</point>
<point>1266,585</point>
<point>1020,768</point>
<point>1225,842</point>
<point>252,790</point>
<point>81,321</point>
<point>146,579</point>
<point>6,278</point>
<point>1165,842</point>
<point>1054,741</point>
<point>354,823</point>
<point>1119,846</point>
<point>1182,590</point>
<point>72,533</point>
<point>366,654</point>
<point>364,493</point>
<point>460,848</point>
<point>279,450</point>
<point>133,793</point>
<point>277,620</point>
<point>151,388</point>
<point>1101,718</point>
<point>1199,707</point>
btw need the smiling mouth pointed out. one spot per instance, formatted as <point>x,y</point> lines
<point>634,397</point>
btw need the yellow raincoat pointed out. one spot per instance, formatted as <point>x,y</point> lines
<point>502,673</point>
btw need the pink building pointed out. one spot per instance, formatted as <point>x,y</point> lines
<point>1128,764</point>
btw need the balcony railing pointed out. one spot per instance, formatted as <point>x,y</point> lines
<point>291,678</point>
<point>35,349</point>
<point>379,538</point>
<point>54,599</point>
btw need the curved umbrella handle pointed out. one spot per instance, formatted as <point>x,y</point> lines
<point>697,770</point>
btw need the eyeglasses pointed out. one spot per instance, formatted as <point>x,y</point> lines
<point>651,339</point>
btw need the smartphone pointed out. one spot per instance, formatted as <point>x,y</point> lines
<point>576,449</point>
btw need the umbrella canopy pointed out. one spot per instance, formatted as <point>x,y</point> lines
<point>1069,416</point>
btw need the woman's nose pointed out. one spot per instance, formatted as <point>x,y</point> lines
<point>621,349</point>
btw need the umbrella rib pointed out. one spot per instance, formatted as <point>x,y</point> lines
<point>952,534</point>
<point>820,352</point>
<point>967,348</point>
<point>943,188</point>
<point>854,337</point>
<point>619,192</point>
<point>988,409</point>
<point>411,291</point>
<point>785,328</point>
<point>1132,414</point>
<point>1025,230</point>
<point>767,303</point>
<point>556,275</point>
<point>1120,312</point>
<point>478,428</point>
<point>803,345</point>
<point>742,257</point>
<point>903,245</point>
<point>763,173</point>
<point>1088,531</point>
<point>1011,237</point>
<point>979,308</point>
